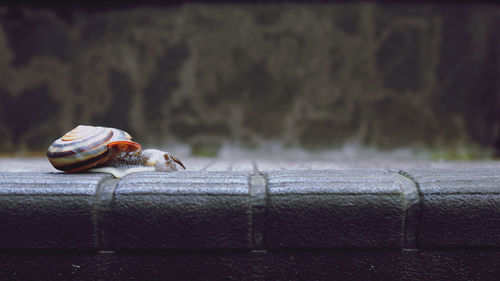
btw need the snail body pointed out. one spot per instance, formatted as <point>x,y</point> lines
<point>102,149</point>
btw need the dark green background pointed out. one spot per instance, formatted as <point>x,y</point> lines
<point>306,75</point>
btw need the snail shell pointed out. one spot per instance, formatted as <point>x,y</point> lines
<point>86,147</point>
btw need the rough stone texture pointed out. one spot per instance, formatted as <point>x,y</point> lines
<point>274,162</point>
<point>411,265</point>
<point>316,75</point>
<point>40,211</point>
<point>332,209</point>
<point>235,219</point>
<point>191,210</point>
<point>452,264</point>
<point>366,265</point>
<point>458,207</point>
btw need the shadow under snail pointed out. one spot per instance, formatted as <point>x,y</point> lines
<point>106,150</point>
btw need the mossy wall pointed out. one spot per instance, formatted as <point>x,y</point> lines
<point>306,75</point>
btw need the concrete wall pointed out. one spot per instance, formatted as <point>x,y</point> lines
<point>434,222</point>
<point>313,76</point>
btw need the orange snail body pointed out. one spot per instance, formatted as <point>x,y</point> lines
<point>88,147</point>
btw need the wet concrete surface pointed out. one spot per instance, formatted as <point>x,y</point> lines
<point>284,162</point>
<point>253,218</point>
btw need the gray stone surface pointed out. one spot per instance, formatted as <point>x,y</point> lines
<point>334,209</point>
<point>458,207</point>
<point>46,211</point>
<point>190,210</point>
<point>276,162</point>
<point>293,218</point>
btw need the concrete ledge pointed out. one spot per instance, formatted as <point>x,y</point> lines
<point>458,208</point>
<point>193,210</point>
<point>48,211</point>
<point>408,224</point>
<point>334,209</point>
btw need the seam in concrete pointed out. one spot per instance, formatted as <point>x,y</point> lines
<point>258,200</point>
<point>104,197</point>
<point>204,168</point>
<point>411,205</point>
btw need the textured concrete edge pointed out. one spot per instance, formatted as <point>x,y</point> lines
<point>258,192</point>
<point>104,196</point>
<point>259,195</point>
<point>411,191</point>
<point>411,201</point>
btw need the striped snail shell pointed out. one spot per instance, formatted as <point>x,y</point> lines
<point>86,147</point>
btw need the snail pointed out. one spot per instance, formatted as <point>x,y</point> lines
<point>109,150</point>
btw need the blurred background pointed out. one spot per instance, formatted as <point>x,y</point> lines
<point>198,77</point>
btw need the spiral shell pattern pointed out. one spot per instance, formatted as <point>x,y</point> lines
<point>83,147</point>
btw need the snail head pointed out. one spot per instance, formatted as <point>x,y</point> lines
<point>162,161</point>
